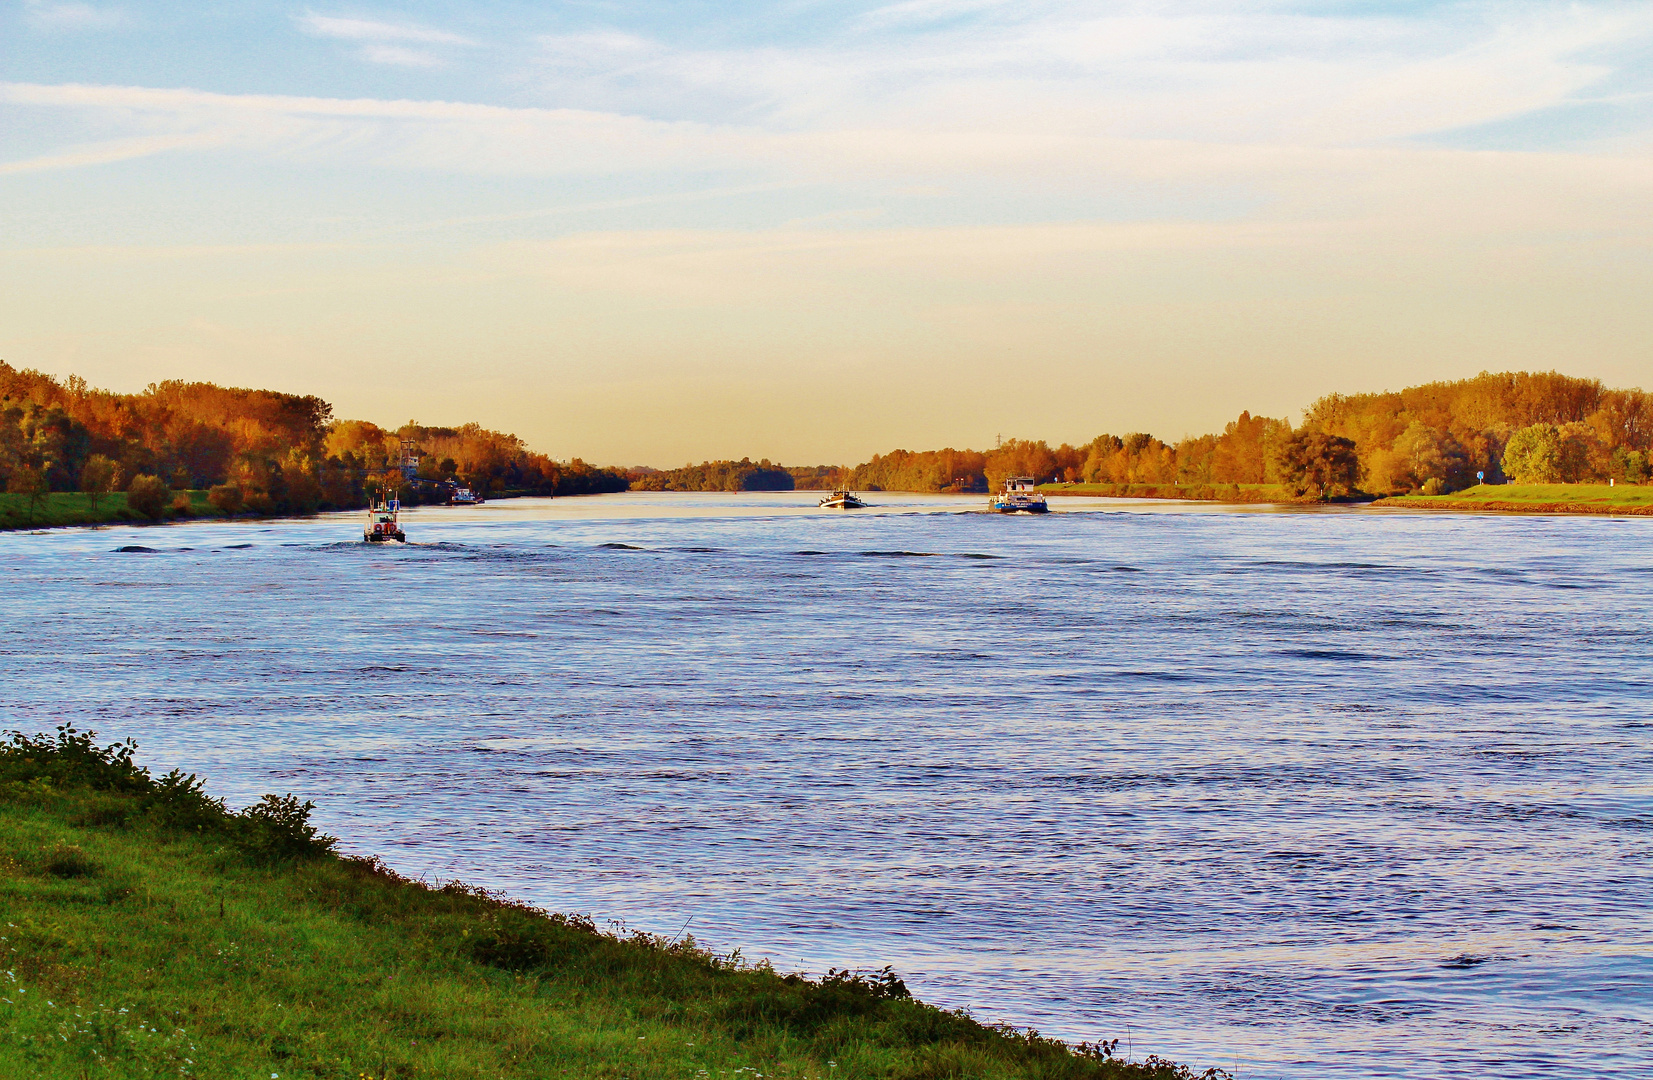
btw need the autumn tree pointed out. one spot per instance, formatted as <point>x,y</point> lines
<point>1314,465</point>
<point>1429,457</point>
<point>97,478</point>
<point>31,482</point>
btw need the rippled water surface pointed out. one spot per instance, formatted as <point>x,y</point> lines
<point>1306,794</point>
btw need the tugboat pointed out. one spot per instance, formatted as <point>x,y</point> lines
<point>464,496</point>
<point>1020,496</point>
<point>842,500</point>
<point>383,522</point>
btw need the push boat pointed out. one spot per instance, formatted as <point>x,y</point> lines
<point>1020,496</point>
<point>464,496</point>
<point>842,500</point>
<point>384,522</point>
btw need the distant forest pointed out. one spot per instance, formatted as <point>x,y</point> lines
<point>1530,428</point>
<point>256,450</point>
<point>281,453</point>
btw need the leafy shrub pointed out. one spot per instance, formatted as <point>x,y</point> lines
<point>73,759</point>
<point>147,495</point>
<point>180,801</point>
<point>883,983</point>
<point>277,828</point>
<point>226,497</point>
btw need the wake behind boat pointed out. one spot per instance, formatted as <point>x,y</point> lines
<point>842,500</point>
<point>1020,496</point>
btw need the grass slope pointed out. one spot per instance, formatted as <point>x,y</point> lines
<point>147,931</point>
<point>1537,498</point>
<point>75,508</point>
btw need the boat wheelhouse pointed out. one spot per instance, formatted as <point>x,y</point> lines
<point>384,522</point>
<point>842,500</point>
<point>1020,496</point>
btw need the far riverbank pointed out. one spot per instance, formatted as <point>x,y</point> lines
<point>1629,499</point>
<point>67,509</point>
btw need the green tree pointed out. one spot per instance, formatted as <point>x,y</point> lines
<point>1533,455</point>
<point>30,481</point>
<point>148,495</point>
<point>1633,467</point>
<point>1430,454</point>
<point>97,477</point>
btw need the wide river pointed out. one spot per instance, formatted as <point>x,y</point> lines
<point>1298,794</point>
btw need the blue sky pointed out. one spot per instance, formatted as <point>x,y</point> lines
<point>648,232</point>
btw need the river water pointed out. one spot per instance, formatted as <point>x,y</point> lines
<point>1338,793</point>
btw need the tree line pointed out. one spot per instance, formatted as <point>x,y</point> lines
<point>1527,427</point>
<point>1516,426</point>
<point>284,453</point>
<point>252,450</point>
<point>742,475</point>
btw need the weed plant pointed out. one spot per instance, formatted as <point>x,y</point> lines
<point>150,931</point>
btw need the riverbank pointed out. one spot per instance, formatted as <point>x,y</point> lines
<point>1535,499</point>
<point>1223,493</point>
<point>68,508</point>
<point>149,930</point>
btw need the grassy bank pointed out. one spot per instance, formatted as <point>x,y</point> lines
<point>1536,499</point>
<point>149,931</point>
<point>1224,493</point>
<point>75,508</point>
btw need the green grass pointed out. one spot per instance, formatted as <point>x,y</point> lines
<point>1558,498</point>
<point>75,508</point>
<point>147,931</point>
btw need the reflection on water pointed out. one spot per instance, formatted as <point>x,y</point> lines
<point>1335,793</point>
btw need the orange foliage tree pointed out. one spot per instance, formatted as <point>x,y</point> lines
<point>284,453</point>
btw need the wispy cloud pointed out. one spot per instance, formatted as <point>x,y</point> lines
<point>926,12</point>
<point>1158,71</point>
<point>1410,188</point>
<point>105,153</point>
<point>385,42</point>
<point>1048,94</point>
<point>46,15</point>
<point>398,56</point>
<point>371,30</point>
<point>442,135</point>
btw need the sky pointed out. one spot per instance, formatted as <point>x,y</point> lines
<point>650,233</point>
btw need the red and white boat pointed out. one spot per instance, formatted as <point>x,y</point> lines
<point>384,522</point>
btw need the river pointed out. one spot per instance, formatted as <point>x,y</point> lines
<point>1294,793</point>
